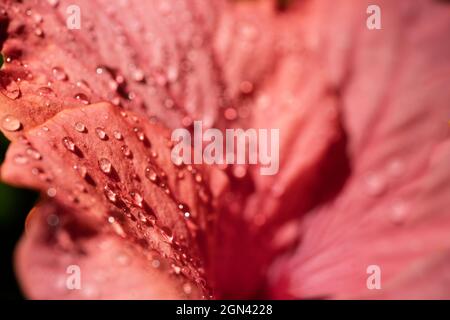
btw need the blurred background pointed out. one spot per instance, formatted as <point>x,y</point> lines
<point>15,205</point>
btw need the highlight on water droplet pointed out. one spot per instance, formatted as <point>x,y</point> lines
<point>80,127</point>
<point>105,165</point>
<point>82,98</point>
<point>10,89</point>
<point>111,196</point>
<point>68,143</point>
<point>151,174</point>
<point>117,135</point>
<point>101,133</point>
<point>59,74</point>
<point>33,153</point>
<point>11,123</point>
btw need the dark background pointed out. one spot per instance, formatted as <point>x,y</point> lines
<point>15,203</point>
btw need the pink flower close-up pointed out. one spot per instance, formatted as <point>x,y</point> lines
<point>337,185</point>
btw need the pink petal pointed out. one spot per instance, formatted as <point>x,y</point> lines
<point>393,210</point>
<point>111,172</point>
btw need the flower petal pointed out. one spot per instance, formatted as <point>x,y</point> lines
<point>50,67</point>
<point>111,170</point>
<point>392,212</point>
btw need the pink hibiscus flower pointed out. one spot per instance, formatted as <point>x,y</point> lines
<point>89,105</point>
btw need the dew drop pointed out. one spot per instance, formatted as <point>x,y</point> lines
<point>20,159</point>
<point>105,165</point>
<point>80,127</point>
<point>101,133</point>
<point>139,134</point>
<point>51,192</point>
<point>375,185</point>
<point>68,144</point>
<point>11,123</point>
<point>111,196</point>
<point>33,153</point>
<point>246,87</point>
<point>187,289</point>
<point>117,135</point>
<point>151,174</point>
<point>39,32</point>
<point>239,171</point>
<point>198,178</point>
<point>53,220</point>
<point>137,198</point>
<point>82,98</point>
<point>176,269</point>
<point>138,75</point>
<point>142,217</point>
<point>59,74</point>
<point>126,151</point>
<point>53,3</point>
<point>156,263</point>
<point>230,114</point>
<point>167,234</point>
<point>82,171</point>
<point>185,210</point>
<point>11,90</point>
<point>46,92</point>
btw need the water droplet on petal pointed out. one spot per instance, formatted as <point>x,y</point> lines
<point>81,170</point>
<point>59,74</point>
<point>151,174</point>
<point>11,123</point>
<point>82,98</point>
<point>111,196</point>
<point>68,143</point>
<point>51,192</point>
<point>139,134</point>
<point>101,133</point>
<point>39,32</point>
<point>117,135</point>
<point>105,165</point>
<point>176,269</point>
<point>156,263</point>
<point>126,151</point>
<point>187,289</point>
<point>142,217</point>
<point>53,3</point>
<point>375,185</point>
<point>167,234</point>
<point>20,159</point>
<point>11,90</point>
<point>46,92</point>
<point>80,127</point>
<point>138,75</point>
<point>33,153</point>
<point>53,220</point>
<point>137,198</point>
<point>246,87</point>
